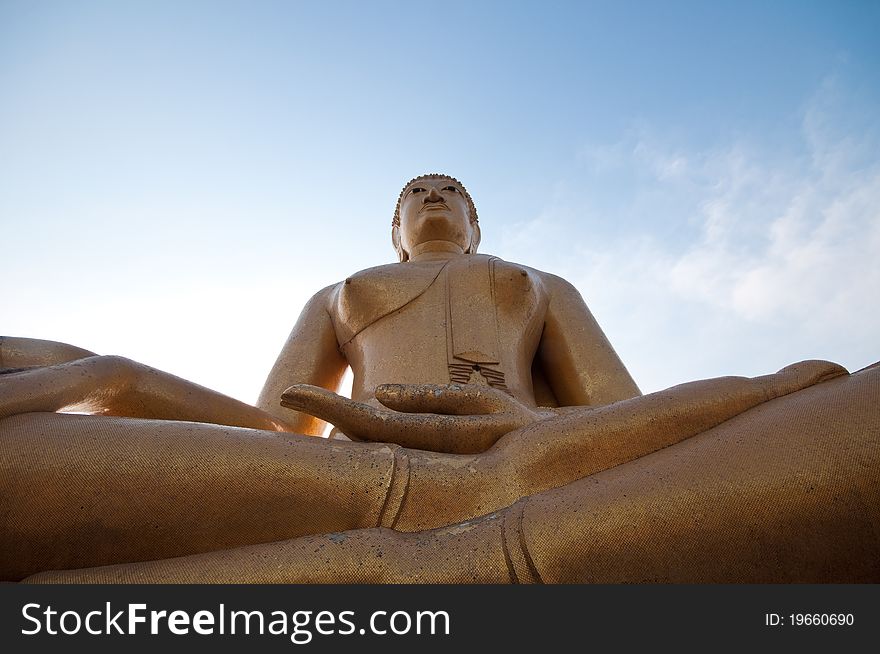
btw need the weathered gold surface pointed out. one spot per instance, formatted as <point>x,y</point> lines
<point>502,440</point>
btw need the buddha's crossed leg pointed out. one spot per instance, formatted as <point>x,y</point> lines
<point>85,490</point>
<point>787,492</point>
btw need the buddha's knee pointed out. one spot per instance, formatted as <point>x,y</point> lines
<point>117,374</point>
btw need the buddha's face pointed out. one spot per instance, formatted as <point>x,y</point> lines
<point>435,210</point>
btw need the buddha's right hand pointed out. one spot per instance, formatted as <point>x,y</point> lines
<point>456,419</point>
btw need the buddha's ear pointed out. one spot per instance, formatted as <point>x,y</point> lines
<point>395,240</point>
<point>475,239</point>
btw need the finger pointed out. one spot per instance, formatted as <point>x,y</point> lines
<point>363,421</point>
<point>426,431</point>
<point>453,399</point>
<point>350,416</point>
<point>801,375</point>
<point>441,433</point>
<point>445,433</point>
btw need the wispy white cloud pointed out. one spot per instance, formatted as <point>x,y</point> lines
<point>773,257</point>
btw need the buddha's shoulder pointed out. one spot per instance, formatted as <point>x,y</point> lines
<point>393,273</point>
<point>385,271</point>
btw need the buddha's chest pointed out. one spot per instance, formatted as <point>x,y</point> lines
<point>481,302</point>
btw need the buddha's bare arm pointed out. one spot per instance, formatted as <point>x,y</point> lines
<point>465,419</point>
<point>310,356</point>
<point>581,366</point>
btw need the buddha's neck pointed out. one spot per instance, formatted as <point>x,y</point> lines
<point>435,251</point>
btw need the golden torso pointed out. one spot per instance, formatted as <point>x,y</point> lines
<point>467,319</point>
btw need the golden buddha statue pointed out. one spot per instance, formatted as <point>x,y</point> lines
<point>446,314</point>
<point>505,443</point>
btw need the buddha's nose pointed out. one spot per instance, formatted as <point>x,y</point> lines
<point>433,196</point>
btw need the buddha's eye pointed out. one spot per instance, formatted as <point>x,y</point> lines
<point>451,188</point>
<point>417,189</point>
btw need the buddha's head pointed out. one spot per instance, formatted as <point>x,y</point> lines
<point>434,208</point>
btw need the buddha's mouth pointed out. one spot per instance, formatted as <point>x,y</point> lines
<point>435,205</point>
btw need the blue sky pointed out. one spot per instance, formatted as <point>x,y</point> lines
<point>176,179</point>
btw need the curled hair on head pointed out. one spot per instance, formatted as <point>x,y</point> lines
<point>472,214</point>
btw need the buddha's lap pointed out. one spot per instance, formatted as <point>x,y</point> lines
<point>797,453</point>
